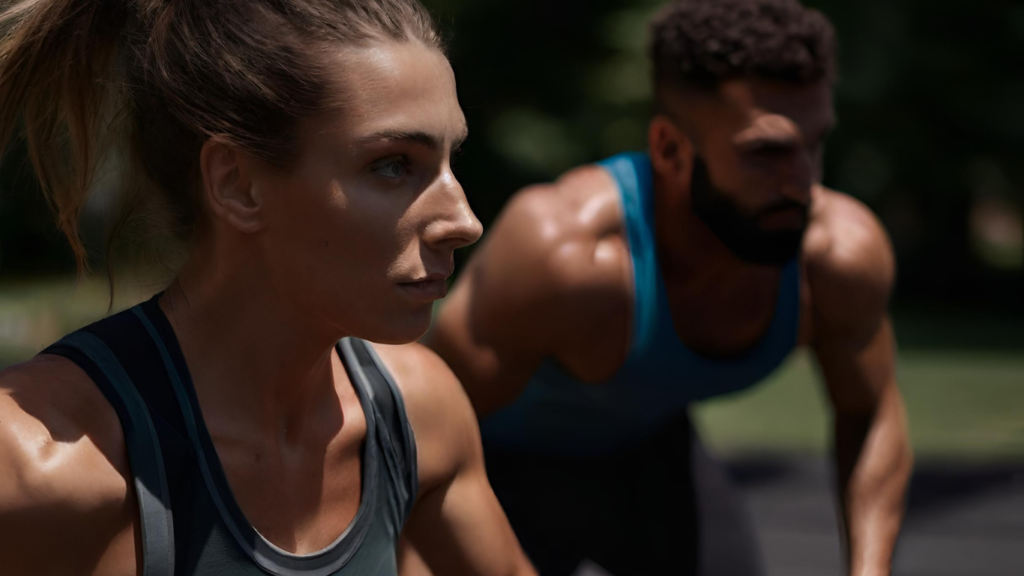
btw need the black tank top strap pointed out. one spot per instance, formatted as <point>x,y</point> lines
<point>128,339</point>
<point>190,522</point>
<point>396,436</point>
<point>258,549</point>
<point>142,444</point>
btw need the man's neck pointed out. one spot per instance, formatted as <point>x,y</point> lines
<point>691,255</point>
<point>720,305</point>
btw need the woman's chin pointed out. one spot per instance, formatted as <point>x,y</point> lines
<point>400,330</point>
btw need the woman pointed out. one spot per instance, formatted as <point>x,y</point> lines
<point>302,149</point>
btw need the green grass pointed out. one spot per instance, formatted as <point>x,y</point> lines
<point>960,404</point>
<point>962,376</point>
<point>34,314</point>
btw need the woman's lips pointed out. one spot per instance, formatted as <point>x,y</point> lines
<point>426,290</point>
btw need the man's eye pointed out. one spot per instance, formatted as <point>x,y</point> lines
<point>395,167</point>
<point>772,150</point>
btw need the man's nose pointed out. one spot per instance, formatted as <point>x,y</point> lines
<point>797,178</point>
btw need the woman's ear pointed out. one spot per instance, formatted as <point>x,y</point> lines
<point>228,188</point>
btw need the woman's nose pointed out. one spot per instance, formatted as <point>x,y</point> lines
<point>454,225</point>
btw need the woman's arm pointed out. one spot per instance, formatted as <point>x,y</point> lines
<point>65,506</point>
<point>457,525</point>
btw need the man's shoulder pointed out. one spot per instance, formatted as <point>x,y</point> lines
<point>850,263</point>
<point>581,203</point>
<point>846,239</point>
<point>563,232</point>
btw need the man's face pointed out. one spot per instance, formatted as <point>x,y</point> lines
<point>758,152</point>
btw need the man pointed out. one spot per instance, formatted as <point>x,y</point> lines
<point>601,306</point>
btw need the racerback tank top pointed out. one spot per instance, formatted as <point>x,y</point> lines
<point>560,415</point>
<point>190,523</point>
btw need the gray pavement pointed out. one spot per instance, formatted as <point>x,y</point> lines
<point>962,519</point>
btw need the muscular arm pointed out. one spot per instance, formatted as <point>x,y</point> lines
<point>481,329</point>
<point>65,507</point>
<point>457,525</point>
<point>551,279</point>
<point>851,280</point>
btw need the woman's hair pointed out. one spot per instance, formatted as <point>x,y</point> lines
<point>146,82</point>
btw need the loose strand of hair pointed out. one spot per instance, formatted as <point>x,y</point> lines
<point>54,56</point>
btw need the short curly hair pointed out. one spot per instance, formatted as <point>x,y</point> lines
<point>700,43</point>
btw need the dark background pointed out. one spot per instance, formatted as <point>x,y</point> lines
<point>930,105</point>
<point>931,126</point>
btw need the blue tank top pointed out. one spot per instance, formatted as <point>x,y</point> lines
<point>560,415</point>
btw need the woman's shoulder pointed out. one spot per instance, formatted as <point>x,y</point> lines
<point>425,381</point>
<point>50,405</point>
<point>438,409</point>
<point>63,465</point>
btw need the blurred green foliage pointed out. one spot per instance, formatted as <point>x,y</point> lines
<point>931,132</point>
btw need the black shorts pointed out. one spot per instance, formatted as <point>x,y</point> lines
<point>663,506</point>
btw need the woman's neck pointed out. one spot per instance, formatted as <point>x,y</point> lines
<point>256,362</point>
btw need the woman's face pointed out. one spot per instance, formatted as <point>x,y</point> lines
<point>360,236</point>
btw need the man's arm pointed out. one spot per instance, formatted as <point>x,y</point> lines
<point>549,280</point>
<point>457,526</point>
<point>851,279</point>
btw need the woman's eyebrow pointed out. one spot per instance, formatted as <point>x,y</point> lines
<point>418,137</point>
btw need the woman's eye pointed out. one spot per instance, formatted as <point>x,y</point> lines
<point>392,167</point>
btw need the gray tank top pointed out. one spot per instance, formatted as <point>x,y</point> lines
<point>191,524</point>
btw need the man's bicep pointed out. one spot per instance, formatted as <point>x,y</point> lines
<point>493,359</point>
<point>500,319</point>
<point>858,370</point>
<point>851,284</point>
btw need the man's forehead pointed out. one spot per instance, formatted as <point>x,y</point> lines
<point>804,104</point>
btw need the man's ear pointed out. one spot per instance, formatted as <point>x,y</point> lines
<point>228,188</point>
<point>671,151</point>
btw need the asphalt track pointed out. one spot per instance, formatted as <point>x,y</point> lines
<point>963,519</point>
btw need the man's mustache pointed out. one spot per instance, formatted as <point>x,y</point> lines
<point>782,206</point>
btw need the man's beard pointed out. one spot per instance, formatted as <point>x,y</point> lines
<point>739,231</point>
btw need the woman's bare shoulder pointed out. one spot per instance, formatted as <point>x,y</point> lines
<point>63,466</point>
<point>438,409</point>
<point>423,378</point>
